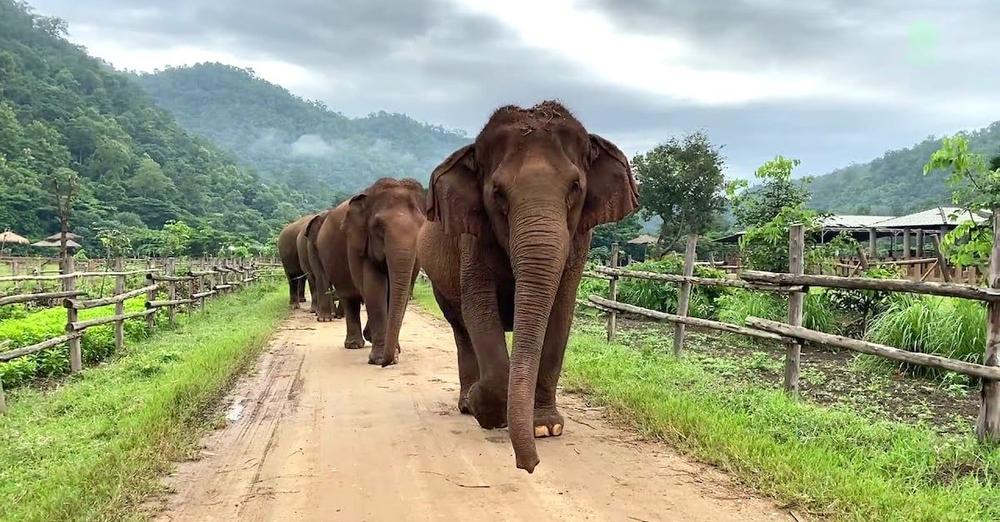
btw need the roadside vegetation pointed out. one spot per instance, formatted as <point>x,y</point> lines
<point>94,447</point>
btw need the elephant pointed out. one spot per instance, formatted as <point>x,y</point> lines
<point>312,267</point>
<point>367,246</point>
<point>509,223</point>
<point>289,254</point>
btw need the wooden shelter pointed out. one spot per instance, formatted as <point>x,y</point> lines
<point>58,236</point>
<point>48,243</point>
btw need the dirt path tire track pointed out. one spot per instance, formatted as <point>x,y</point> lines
<point>315,433</point>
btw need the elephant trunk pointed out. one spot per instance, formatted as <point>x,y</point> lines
<point>401,263</point>
<point>538,249</point>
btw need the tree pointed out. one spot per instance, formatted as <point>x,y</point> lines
<point>681,181</point>
<point>760,205</point>
<point>609,233</point>
<point>976,189</point>
<point>768,210</point>
<point>65,185</point>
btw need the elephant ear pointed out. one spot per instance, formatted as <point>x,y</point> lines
<point>611,190</point>
<point>455,197</point>
<point>355,224</point>
<point>313,226</point>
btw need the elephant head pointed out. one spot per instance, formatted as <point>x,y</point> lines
<point>382,226</point>
<point>535,180</point>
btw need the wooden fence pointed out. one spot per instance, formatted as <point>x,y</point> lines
<point>203,279</point>
<point>796,284</point>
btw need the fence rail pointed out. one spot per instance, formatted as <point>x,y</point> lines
<point>796,284</point>
<point>182,289</point>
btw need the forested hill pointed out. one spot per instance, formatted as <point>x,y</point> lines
<point>895,183</point>
<point>288,138</point>
<point>64,112</point>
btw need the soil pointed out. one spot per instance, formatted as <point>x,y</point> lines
<point>315,433</point>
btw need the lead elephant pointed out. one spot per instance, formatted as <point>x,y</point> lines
<point>289,254</point>
<point>508,232</point>
<point>367,246</point>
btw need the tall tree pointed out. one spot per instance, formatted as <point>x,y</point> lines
<point>681,181</point>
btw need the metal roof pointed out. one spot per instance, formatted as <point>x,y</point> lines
<point>643,239</point>
<point>935,217</point>
<point>852,221</point>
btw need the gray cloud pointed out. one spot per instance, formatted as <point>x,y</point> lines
<point>927,64</point>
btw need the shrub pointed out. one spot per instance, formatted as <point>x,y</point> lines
<point>659,295</point>
<point>944,326</point>
<point>97,343</point>
<point>866,304</point>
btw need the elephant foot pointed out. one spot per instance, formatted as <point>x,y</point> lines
<point>548,422</point>
<point>488,405</point>
<point>354,344</point>
<point>323,318</point>
<point>338,315</point>
<point>463,406</point>
<point>377,357</point>
<point>295,305</point>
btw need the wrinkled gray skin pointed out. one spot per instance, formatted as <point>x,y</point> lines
<point>324,302</point>
<point>508,232</point>
<point>289,254</point>
<point>367,246</point>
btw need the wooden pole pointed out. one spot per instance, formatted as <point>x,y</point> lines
<point>150,296</point>
<point>873,243</point>
<point>906,243</point>
<point>881,350</point>
<point>171,293</point>
<point>120,305</point>
<point>612,292</point>
<point>988,423</point>
<point>920,243</point>
<point>942,262</point>
<point>69,285</point>
<point>796,252</point>
<point>685,296</point>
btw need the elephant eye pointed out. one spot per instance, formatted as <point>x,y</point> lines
<point>500,199</point>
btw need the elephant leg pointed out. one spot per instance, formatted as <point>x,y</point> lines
<point>321,297</point>
<point>548,421</point>
<point>352,313</point>
<point>468,366</point>
<point>481,317</point>
<point>302,289</point>
<point>376,290</point>
<point>313,293</point>
<point>293,292</point>
<point>367,332</point>
<point>338,309</point>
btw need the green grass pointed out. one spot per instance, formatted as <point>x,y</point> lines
<point>828,461</point>
<point>95,447</point>
<point>954,328</point>
<point>833,462</point>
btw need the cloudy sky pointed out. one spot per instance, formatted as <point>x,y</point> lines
<point>828,81</point>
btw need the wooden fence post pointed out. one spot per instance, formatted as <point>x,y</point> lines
<point>120,305</point>
<point>988,423</point>
<point>69,284</point>
<point>942,262</point>
<point>613,293</point>
<point>171,293</point>
<point>873,243</point>
<point>796,265</point>
<point>685,294</point>
<point>150,297</point>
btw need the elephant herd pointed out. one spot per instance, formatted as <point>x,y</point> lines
<point>502,232</point>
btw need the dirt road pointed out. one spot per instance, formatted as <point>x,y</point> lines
<point>315,433</point>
